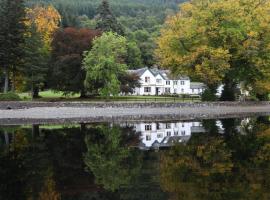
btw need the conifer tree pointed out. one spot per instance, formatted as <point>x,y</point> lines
<point>12,29</point>
<point>106,21</point>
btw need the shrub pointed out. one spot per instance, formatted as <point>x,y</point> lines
<point>209,95</point>
<point>9,97</point>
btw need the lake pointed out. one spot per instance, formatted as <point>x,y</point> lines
<point>213,159</point>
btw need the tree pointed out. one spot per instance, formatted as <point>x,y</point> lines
<point>35,61</point>
<point>134,56</point>
<point>46,20</point>
<point>68,46</point>
<point>129,81</point>
<point>104,63</point>
<point>42,22</point>
<point>106,21</point>
<point>217,41</point>
<point>12,29</point>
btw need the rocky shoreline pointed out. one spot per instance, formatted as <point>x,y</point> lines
<point>84,112</point>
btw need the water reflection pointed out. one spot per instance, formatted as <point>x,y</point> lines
<point>209,159</point>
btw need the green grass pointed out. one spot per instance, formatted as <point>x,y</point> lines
<point>50,95</point>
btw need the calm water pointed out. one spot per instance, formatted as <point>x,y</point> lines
<point>226,159</point>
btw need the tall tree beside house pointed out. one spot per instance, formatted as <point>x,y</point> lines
<point>106,21</point>
<point>12,29</point>
<point>134,56</point>
<point>105,63</point>
<point>68,45</point>
<point>223,41</point>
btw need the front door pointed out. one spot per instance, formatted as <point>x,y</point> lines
<point>157,91</point>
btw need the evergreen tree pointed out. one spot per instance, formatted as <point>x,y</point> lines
<point>106,21</point>
<point>12,29</point>
<point>35,61</point>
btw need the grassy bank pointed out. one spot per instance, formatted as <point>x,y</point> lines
<point>60,96</point>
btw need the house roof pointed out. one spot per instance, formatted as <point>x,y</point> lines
<point>165,74</point>
<point>197,85</point>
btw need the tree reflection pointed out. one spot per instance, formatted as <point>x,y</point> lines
<point>110,158</point>
<point>233,165</point>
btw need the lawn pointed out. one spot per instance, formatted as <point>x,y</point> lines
<point>50,95</point>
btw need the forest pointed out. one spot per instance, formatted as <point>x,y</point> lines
<point>86,47</point>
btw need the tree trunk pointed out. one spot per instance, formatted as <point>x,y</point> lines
<point>35,92</point>
<point>6,73</point>
<point>13,86</point>
<point>83,93</point>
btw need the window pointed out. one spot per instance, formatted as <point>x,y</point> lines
<point>147,79</point>
<point>183,133</point>
<point>159,80</point>
<point>182,82</point>
<point>183,125</point>
<point>148,127</point>
<point>148,137</point>
<point>169,133</point>
<point>158,126</point>
<point>175,91</point>
<point>182,90</point>
<point>147,89</point>
<point>159,135</point>
<point>175,82</point>
<point>192,90</point>
<point>168,83</point>
<point>167,90</point>
<point>168,126</point>
<point>175,133</point>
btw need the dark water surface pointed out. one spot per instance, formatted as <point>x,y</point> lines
<point>227,159</point>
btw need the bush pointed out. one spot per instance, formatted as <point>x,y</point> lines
<point>209,95</point>
<point>9,97</point>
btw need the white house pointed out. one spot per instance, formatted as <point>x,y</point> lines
<point>158,82</point>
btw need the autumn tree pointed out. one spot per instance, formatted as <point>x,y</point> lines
<point>106,21</point>
<point>68,46</point>
<point>104,63</point>
<point>222,41</point>
<point>12,29</point>
<point>41,22</point>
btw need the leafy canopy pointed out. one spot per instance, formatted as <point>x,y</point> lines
<point>209,39</point>
<point>104,63</point>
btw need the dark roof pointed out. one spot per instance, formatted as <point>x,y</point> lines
<point>165,74</point>
<point>197,85</point>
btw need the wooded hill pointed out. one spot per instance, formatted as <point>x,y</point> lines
<point>71,9</point>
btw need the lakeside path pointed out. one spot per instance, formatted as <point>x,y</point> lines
<point>69,112</point>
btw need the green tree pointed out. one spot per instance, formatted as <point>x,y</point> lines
<point>104,63</point>
<point>35,66</point>
<point>12,30</point>
<point>134,56</point>
<point>106,21</point>
<point>217,41</point>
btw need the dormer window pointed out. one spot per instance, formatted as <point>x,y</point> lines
<point>147,79</point>
<point>168,83</point>
<point>175,82</point>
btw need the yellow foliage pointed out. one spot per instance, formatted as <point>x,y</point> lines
<point>46,20</point>
<point>207,39</point>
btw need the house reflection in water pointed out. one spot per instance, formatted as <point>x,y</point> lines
<point>157,135</point>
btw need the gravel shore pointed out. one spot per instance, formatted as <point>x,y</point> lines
<point>107,113</point>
